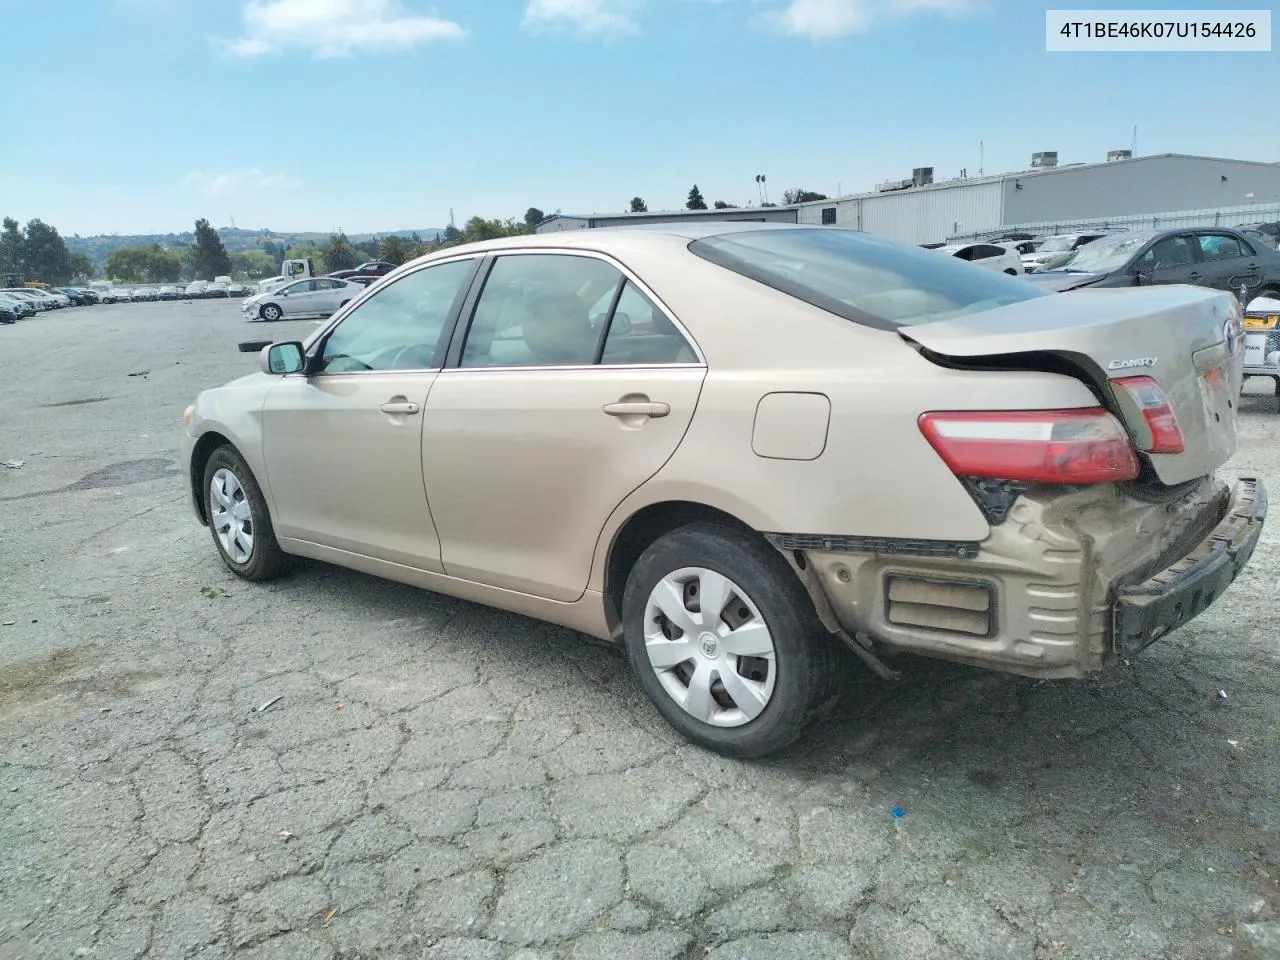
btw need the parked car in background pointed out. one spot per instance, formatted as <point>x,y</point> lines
<point>22,307</point>
<point>76,298</point>
<point>121,295</point>
<point>737,449</point>
<point>90,295</point>
<point>1054,251</point>
<point>168,292</point>
<point>371,268</point>
<point>237,289</point>
<point>217,289</point>
<point>1021,242</point>
<point>146,293</point>
<point>315,297</point>
<point>196,288</point>
<point>990,255</point>
<point>40,299</point>
<point>10,312</point>
<point>1209,257</point>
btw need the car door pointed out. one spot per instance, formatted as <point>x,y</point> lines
<point>342,441</point>
<point>1228,263</point>
<point>1171,259</point>
<point>546,417</point>
<point>330,295</point>
<point>298,299</point>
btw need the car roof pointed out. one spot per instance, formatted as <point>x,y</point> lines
<point>602,239</point>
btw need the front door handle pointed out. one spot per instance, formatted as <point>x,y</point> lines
<point>637,408</point>
<point>399,406</point>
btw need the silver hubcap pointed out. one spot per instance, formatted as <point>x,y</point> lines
<point>230,515</point>
<point>709,646</point>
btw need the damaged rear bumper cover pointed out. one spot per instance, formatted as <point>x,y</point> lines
<point>1145,612</point>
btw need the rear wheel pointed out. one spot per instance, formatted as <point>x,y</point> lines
<point>1011,272</point>
<point>270,311</point>
<point>725,641</point>
<point>239,520</point>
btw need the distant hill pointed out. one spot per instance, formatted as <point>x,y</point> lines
<point>233,238</point>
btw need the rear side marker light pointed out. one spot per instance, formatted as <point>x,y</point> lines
<point>1063,447</point>
<point>1166,435</point>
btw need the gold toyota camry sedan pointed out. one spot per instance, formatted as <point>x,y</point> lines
<point>745,450</point>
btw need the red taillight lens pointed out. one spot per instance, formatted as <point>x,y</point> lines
<point>1166,435</point>
<point>1039,446</point>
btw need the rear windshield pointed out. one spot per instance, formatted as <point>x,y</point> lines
<point>863,278</point>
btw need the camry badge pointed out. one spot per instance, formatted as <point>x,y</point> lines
<point>1130,364</point>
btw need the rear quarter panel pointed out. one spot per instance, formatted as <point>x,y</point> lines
<point>877,475</point>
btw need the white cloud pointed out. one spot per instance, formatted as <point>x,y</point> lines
<point>215,186</point>
<point>828,19</point>
<point>334,28</point>
<point>588,17</point>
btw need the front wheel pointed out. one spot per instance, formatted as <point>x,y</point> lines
<point>1012,273</point>
<point>239,520</point>
<point>725,641</point>
<point>270,311</point>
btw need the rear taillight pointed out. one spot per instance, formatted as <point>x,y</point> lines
<point>1166,435</point>
<point>1039,446</point>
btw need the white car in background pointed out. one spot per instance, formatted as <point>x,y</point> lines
<point>313,297</point>
<point>1054,251</point>
<point>196,288</point>
<point>993,256</point>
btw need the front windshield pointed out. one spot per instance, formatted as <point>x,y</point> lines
<point>863,278</point>
<point>1106,253</point>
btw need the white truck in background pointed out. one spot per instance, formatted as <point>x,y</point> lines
<point>290,270</point>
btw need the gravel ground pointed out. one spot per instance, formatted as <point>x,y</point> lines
<point>439,780</point>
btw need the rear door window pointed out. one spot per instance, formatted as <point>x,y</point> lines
<point>1220,246</point>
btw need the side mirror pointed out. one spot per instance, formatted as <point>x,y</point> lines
<point>282,358</point>
<point>1142,278</point>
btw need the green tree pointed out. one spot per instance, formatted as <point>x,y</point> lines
<point>45,254</point>
<point>253,264</point>
<point>339,254</point>
<point>721,205</point>
<point>532,217</point>
<point>368,249</point>
<point>150,263</point>
<point>11,247</point>
<point>275,251</point>
<point>211,256</point>
<point>801,196</point>
<point>394,250</point>
<point>695,201</point>
<point>450,236</point>
<point>638,205</point>
<point>81,268</point>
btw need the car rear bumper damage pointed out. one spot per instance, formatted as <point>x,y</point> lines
<point>1147,611</point>
<point>1070,582</point>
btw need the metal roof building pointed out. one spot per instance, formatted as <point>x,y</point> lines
<point>1125,192</point>
<point>918,210</point>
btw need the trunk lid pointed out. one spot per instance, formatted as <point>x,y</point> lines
<point>1188,339</point>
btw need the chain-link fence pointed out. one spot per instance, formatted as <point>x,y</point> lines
<point>1217,217</point>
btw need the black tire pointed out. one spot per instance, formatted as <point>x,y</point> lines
<point>270,311</point>
<point>1012,273</point>
<point>266,560</point>
<point>806,656</point>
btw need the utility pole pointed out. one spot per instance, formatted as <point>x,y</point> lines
<point>982,156</point>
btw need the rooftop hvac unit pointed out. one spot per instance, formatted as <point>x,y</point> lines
<point>893,185</point>
<point>1045,160</point>
<point>1119,155</point>
<point>921,176</point>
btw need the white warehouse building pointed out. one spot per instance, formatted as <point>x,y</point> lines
<point>1163,190</point>
<point>1169,189</point>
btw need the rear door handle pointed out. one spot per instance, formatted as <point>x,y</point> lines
<point>399,406</point>
<point>637,408</point>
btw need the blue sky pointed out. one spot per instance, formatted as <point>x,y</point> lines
<point>141,115</point>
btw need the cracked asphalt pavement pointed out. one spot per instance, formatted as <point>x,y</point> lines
<point>435,779</point>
